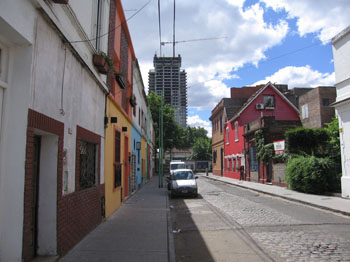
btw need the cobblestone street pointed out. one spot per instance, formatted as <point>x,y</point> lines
<point>284,230</point>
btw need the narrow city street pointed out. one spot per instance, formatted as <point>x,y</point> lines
<point>227,223</point>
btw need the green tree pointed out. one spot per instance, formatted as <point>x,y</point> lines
<point>174,135</point>
<point>191,134</point>
<point>333,146</point>
<point>171,129</point>
<point>201,149</point>
<point>333,152</point>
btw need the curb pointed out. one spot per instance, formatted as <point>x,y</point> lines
<point>283,197</point>
<point>171,243</point>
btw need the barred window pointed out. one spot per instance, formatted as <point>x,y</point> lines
<point>88,165</point>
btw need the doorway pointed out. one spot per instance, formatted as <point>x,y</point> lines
<point>126,167</point>
<point>35,194</point>
<point>44,194</point>
<point>221,161</point>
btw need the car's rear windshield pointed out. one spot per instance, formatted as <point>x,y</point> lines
<point>183,175</point>
<point>177,166</point>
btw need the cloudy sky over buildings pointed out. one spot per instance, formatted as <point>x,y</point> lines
<point>282,41</point>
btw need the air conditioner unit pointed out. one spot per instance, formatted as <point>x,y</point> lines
<point>259,106</point>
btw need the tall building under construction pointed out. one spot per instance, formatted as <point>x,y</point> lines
<point>167,78</point>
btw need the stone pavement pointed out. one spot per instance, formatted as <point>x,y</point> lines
<point>331,203</point>
<point>140,230</point>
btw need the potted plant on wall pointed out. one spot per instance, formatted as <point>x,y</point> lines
<point>100,61</point>
<point>133,101</point>
<point>64,2</point>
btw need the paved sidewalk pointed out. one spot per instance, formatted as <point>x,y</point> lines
<point>138,231</point>
<point>332,203</point>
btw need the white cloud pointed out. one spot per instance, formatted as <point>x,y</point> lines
<point>209,64</point>
<point>327,18</point>
<point>300,77</point>
<point>196,121</point>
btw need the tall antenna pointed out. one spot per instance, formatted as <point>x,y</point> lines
<point>174,32</point>
<point>160,31</point>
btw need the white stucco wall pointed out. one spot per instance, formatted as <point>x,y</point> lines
<point>138,86</point>
<point>34,80</point>
<point>16,32</point>
<point>341,52</point>
<point>57,73</point>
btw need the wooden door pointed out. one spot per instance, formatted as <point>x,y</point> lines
<point>126,166</point>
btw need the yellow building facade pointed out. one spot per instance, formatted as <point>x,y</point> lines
<point>118,119</point>
<point>117,166</point>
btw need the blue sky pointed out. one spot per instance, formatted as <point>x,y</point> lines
<point>282,41</point>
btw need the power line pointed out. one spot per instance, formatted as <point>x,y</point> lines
<point>112,30</point>
<point>280,56</point>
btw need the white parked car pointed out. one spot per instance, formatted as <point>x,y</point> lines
<point>183,182</point>
<point>176,165</point>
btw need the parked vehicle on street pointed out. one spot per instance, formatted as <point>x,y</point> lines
<point>176,165</point>
<point>183,182</point>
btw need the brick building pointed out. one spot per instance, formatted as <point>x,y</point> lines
<point>314,106</point>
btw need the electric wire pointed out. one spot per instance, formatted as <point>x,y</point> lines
<point>278,57</point>
<point>112,30</point>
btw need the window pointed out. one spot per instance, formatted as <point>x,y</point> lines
<point>117,164</point>
<point>220,125</point>
<point>214,156</point>
<point>227,136</point>
<point>138,156</point>
<point>233,168</point>
<point>87,164</point>
<point>236,131</point>
<point>253,159</point>
<point>139,116</point>
<point>228,164</point>
<point>305,111</point>
<point>269,101</point>
<point>325,101</point>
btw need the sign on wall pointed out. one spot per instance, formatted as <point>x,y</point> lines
<point>279,146</point>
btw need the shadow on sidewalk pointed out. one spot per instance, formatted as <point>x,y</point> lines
<point>189,243</point>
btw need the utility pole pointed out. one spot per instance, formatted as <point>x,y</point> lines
<point>161,141</point>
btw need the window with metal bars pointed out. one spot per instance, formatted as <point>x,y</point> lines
<point>87,165</point>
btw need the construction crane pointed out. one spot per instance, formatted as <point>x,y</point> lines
<point>194,40</point>
<point>191,40</point>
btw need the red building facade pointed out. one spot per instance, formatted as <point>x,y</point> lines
<point>267,101</point>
